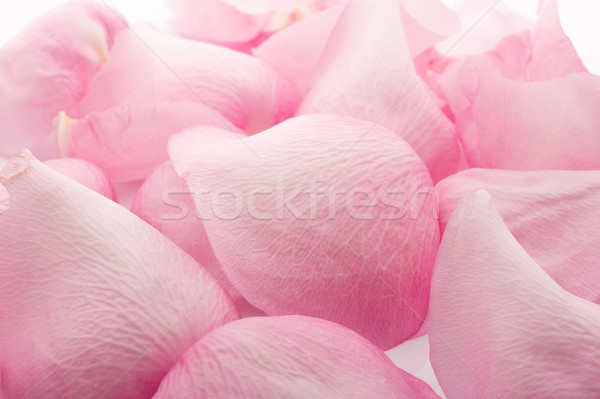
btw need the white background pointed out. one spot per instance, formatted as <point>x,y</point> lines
<point>580,19</point>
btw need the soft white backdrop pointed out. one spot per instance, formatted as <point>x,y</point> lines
<point>580,19</point>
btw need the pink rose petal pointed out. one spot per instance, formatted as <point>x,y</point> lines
<point>165,202</point>
<point>240,87</point>
<point>47,68</point>
<point>85,173</point>
<point>288,357</point>
<point>548,212</point>
<point>367,72</point>
<point>500,326</point>
<point>529,126</point>
<point>130,142</point>
<point>554,55</point>
<point>94,302</point>
<point>328,254</point>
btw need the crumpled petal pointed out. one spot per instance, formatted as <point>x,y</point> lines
<point>85,173</point>
<point>288,357</point>
<point>554,54</point>
<point>130,142</point>
<point>305,220</point>
<point>165,201</point>
<point>548,212</point>
<point>500,326</point>
<point>531,126</point>
<point>246,91</point>
<point>47,68</point>
<point>364,76</point>
<point>93,301</point>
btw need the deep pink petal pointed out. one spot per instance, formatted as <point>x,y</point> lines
<point>554,55</point>
<point>240,87</point>
<point>549,214</point>
<point>289,219</point>
<point>129,142</point>
<point>85,173</point>
<point>94,301</point>
<point>500,326</point>
<point>364,76</point>
<point>47,68</point>
<point>165,201</point>
<point>530,126</point>
<point>288,357</point>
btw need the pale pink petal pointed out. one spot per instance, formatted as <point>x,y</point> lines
<point>530,126</point>
<point>288,357</point>
<point>364,76</point>
<point>427,22</point>
<point>554,55</point>
<point>165,201</point>
<point>484,24</point>
<point>240,87</point>
<point>500,326</point>
<point>129,142</point>
<point>85,173</point>
<point>296,51</point>
<point>94,302</point>
<point>289,219</point>
<point>549,214</point>
<point>47,68</point>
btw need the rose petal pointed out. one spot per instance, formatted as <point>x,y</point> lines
<point>296,51</point>
<point>363,76</point>
<point>165,202</point>
<point>500,326</point>
<point>47,68</point>
<point>549,214</point>
<point>240,87</point>
<point>554,55</point>
<point>130,142</point>
<point>332,256</point>
<point>94,302</point>
<point>85,173</point>
<point>288,357</point>
<point>527,126</point>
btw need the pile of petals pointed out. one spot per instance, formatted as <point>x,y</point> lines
<point>316,182</point>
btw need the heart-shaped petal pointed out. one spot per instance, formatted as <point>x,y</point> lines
<point>152,66</point>
<point>85,173</point>
<point>305,220</point>
<point>47,68</point>
<point>363,76</point>
<point>288,357</point>
<point>94,302</point>
<point>548,212</point>
<point>130,142</point>
<point>552,124</point>
<point>500,327</point>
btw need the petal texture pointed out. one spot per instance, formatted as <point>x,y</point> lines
<point>247,92</point>
<point>530,126</point>
<point>85,173</point>
<point>165,201</point>
<point>288,357</point>
<point>366,77</point>
<point>47,68</point>
<point>130,142</point>
<point>94,302</point>
<point>499,325</point>
<point>309,222</point>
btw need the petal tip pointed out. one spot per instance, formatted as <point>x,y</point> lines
<point>16,166</point>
